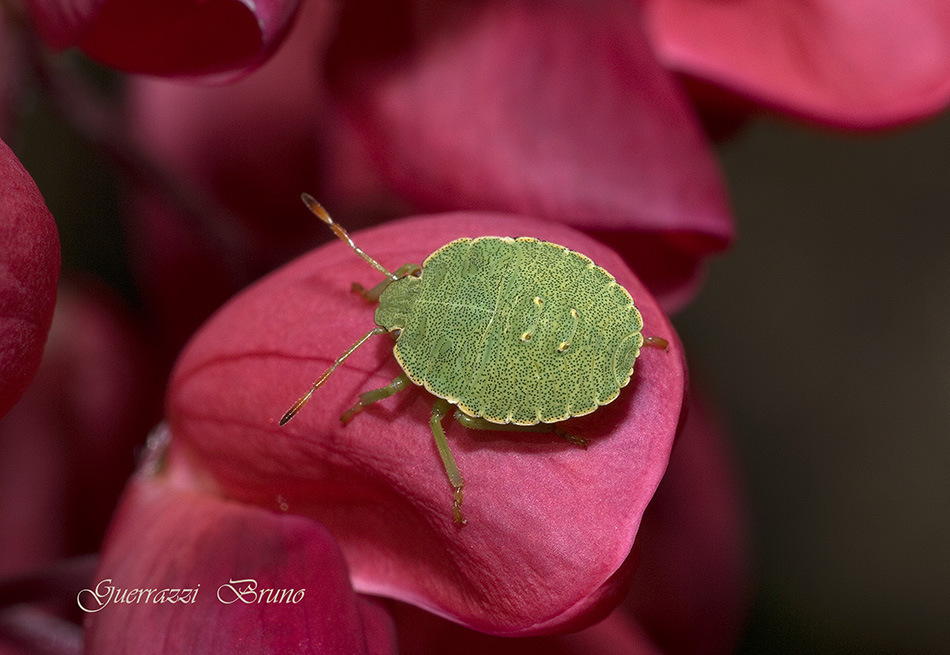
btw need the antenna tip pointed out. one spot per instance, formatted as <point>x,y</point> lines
<point>316,208</point>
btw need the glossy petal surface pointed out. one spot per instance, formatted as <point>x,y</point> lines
<point>551,109</point>
<point>550,525</point>
<point>167,37</point>
<point>165,537</point>
<point>855,64</point>
<point>29,271</point>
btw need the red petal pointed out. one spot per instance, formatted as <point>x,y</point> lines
<point>549,525</point>
<point>548,109</point>
<point>170,538</point>
<point>855,64</point>
<point>168,37</point>
<point>29,270</point>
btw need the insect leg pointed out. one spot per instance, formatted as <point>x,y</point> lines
<point>370,397</point>
<point>580,442</point>
<point>439,411</point>
<point>476,423</point>
<point>656,342</point>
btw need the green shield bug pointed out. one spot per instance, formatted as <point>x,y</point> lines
<point>518,334</point>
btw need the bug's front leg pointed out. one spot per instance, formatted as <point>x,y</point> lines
<point>439,410</point>
<point>369,397</point>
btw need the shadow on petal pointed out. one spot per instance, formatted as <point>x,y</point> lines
<point>691,590</point>
<point>421,633</point>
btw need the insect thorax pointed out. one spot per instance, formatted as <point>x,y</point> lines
<point>396,303</point>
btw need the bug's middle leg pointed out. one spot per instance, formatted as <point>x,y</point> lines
<point>475,423</point>
<point>439,411</point>
<point>369,397</point>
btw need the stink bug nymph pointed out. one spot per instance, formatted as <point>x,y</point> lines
<point>518,334</point>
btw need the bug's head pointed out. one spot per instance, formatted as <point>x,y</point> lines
<point>397,303</point>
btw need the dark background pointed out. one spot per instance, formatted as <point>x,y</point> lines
<point>824,336</point>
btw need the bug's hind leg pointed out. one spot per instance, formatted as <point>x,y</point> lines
<point>372,295</point>
<point>475,423</point>
<point>656,342</point>
<point>369,397</point>
<point>439,411</point>
<point>580,442</point>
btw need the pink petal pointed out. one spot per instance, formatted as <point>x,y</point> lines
<point>29,270</point>
<point>855,64</point>
<point>691,589</point>
<point>164,537</point>
<point>549,525</point>
<point>551,109</point>
<point>168,37</point>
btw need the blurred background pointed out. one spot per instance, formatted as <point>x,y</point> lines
<point>823,336</point>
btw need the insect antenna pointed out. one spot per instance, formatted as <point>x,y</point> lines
<point>323,378</point>
<point>344,236</point>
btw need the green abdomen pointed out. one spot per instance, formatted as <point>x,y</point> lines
<point>519,331</point>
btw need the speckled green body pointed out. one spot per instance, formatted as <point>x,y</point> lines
<point>515,331</point>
